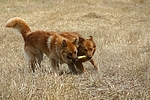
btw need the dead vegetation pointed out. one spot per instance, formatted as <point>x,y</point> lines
<point>120,29</point>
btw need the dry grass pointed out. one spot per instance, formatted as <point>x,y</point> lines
<point>120,29</point>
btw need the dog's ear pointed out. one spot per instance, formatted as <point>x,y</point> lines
<point>76,41</point>
<point>64,44</point>
<point>81,39</point>
<point>91,37</point>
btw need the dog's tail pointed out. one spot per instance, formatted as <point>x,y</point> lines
<point>20,25</point>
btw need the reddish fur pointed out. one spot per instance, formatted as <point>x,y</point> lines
<point>36,43</point>
<point>86,47</point>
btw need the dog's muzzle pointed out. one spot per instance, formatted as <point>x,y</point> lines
<point>89,57</point>
<point>73,59</point>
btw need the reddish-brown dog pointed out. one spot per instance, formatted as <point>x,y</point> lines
<point>57,48</point>
<point>86,47</point>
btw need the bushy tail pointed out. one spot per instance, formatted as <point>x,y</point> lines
<point>20,25</point>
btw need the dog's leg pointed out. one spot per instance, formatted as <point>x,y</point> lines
<point>33,62</point>
<point>30,58</point>
<point>93,63</point>
<point>54,64</point>
<point>33,65</point>
<point>40,58</point>
<point>72,68</point>
<point>57,65</point>
<point>79,65</point>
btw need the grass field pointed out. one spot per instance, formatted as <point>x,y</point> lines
<point>121,30</point>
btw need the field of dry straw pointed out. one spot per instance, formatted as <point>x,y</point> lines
<point>121,30</point>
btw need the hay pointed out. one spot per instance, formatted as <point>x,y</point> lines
<point>120,29</point>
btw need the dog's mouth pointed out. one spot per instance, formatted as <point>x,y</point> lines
<point>68,57</point>
<point>89,57</point>
<point>72,59</point>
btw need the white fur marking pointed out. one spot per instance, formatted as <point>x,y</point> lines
<point>49,42</point>
<point>27,56</point>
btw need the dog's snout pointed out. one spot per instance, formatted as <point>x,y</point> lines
<point>75,59</point>
<point>89,57</point>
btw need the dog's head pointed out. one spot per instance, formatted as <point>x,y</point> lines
<point>87,47</point>
<point>69,50</point>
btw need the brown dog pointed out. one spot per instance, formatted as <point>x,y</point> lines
<point>86,47</point>
<point>57,48</point>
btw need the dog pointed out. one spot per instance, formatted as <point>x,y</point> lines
<point>86,47</point>
<point>57,48</point>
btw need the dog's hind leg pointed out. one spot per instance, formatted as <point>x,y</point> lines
<point>39,57</point>
<point>33,65</point>
<point>31,58</point>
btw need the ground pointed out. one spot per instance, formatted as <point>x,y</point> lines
<point>120,29</point>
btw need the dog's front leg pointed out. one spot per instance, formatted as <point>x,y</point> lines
<point>79,65</point>
<point>72,68</point>
<point>54,64</point>
<point>94,64</point>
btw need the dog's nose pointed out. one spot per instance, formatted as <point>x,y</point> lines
<point>89,57</point>
<point>75,59</point>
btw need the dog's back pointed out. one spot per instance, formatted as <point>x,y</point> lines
<point>70,35</point>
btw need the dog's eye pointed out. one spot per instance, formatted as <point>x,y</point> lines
<point>85,49</point>
<point>70,54</point>
<point>90,49</point>
<point>75,52</point>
